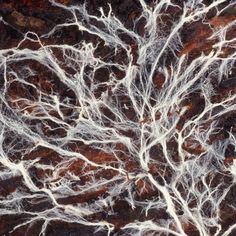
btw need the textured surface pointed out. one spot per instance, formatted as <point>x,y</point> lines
<point>117,117</point>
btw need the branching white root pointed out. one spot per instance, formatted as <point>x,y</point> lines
<point>119,120</point>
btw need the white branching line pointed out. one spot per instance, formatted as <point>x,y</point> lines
<point>101,122</point>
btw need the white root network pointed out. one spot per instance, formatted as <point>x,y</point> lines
<point>192,173</point>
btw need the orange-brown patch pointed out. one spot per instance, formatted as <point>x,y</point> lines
<point>220,21</point>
